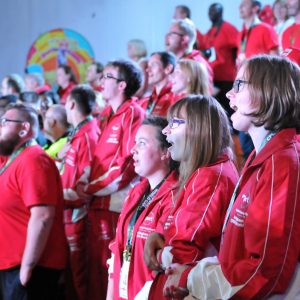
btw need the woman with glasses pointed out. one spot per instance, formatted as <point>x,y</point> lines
<point>259,253</point>
<point>144,211</point>
<point>199,133</point>
<point>189,77</point>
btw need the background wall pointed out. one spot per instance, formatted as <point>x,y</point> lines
<point>106,24</point>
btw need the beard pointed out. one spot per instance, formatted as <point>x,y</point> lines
<point>8,145</point>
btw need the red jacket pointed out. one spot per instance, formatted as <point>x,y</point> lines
<point>112,166</point>
<point>77,167</point>
<point>151,220</point>
<point>261,245</point>
<point>194,226</point>
<point>199,213</point>
<point>158,104</point>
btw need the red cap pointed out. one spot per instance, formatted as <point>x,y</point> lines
<point>293,54</point>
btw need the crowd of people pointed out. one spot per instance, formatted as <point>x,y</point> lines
<point>162,177</point>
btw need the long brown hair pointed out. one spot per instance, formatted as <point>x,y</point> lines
<point>207,132</point>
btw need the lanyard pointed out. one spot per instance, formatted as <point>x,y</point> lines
<point>76,129</point>
<point>16,153</point>
<point>234,195</point>
<point>70,138</point>
<point>246,35</point>
<point>146,200</point>
<point>150,106</point>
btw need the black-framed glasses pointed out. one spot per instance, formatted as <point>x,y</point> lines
<point>110,76</point>
<point>238,84</point>
<point>175,33</point>
<point>4,121</point>
<point>175,122</point>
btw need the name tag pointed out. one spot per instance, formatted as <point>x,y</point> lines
<point>123,286</point>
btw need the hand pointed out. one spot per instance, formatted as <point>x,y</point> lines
<point>171,288</point>
<point>25,274</point>
<point>63,151</point>
<point>86,198</point>
<point>154,243</point>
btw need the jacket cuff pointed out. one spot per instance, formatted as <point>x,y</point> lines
<point>184,276</point>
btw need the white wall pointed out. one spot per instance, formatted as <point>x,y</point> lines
<point>106,24</point>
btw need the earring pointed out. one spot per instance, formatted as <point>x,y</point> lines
<point>22,133</point>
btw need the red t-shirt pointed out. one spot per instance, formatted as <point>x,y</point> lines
<point>291,37</point>
<point>260,39</point>
<point>31,179</point>
<point>226,44</point>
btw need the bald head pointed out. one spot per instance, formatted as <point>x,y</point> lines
<point>57,112</point>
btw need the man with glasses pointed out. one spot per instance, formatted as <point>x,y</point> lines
<point>160,66</point>
<point>112,166</point>
<point>180,40</point>
<point>33,248</point>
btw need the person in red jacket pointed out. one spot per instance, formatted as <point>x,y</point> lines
<point>94,74</point>
<point>259,253</point>
<point>199,133</point>
<point>33,249</point>
<point>180,39</point>
<point>75,165</point>
<point>112,169</point>
<point>144,211</point>
<point>160,66</point>
<point>66,81</point>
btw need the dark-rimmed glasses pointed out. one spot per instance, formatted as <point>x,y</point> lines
<point>238,84</point>
<point>4,121</point>
<point>175,122</point>
<point>110,76</point>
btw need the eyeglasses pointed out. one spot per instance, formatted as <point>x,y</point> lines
<point>4,121</point>
<point>174,122</point>
<point>238,84</point>
<point>109,76</point>
<point>176,33</point>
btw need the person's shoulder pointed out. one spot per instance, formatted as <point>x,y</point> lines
<point>36,156</point>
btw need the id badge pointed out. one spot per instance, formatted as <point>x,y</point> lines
<point>123,286</point>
